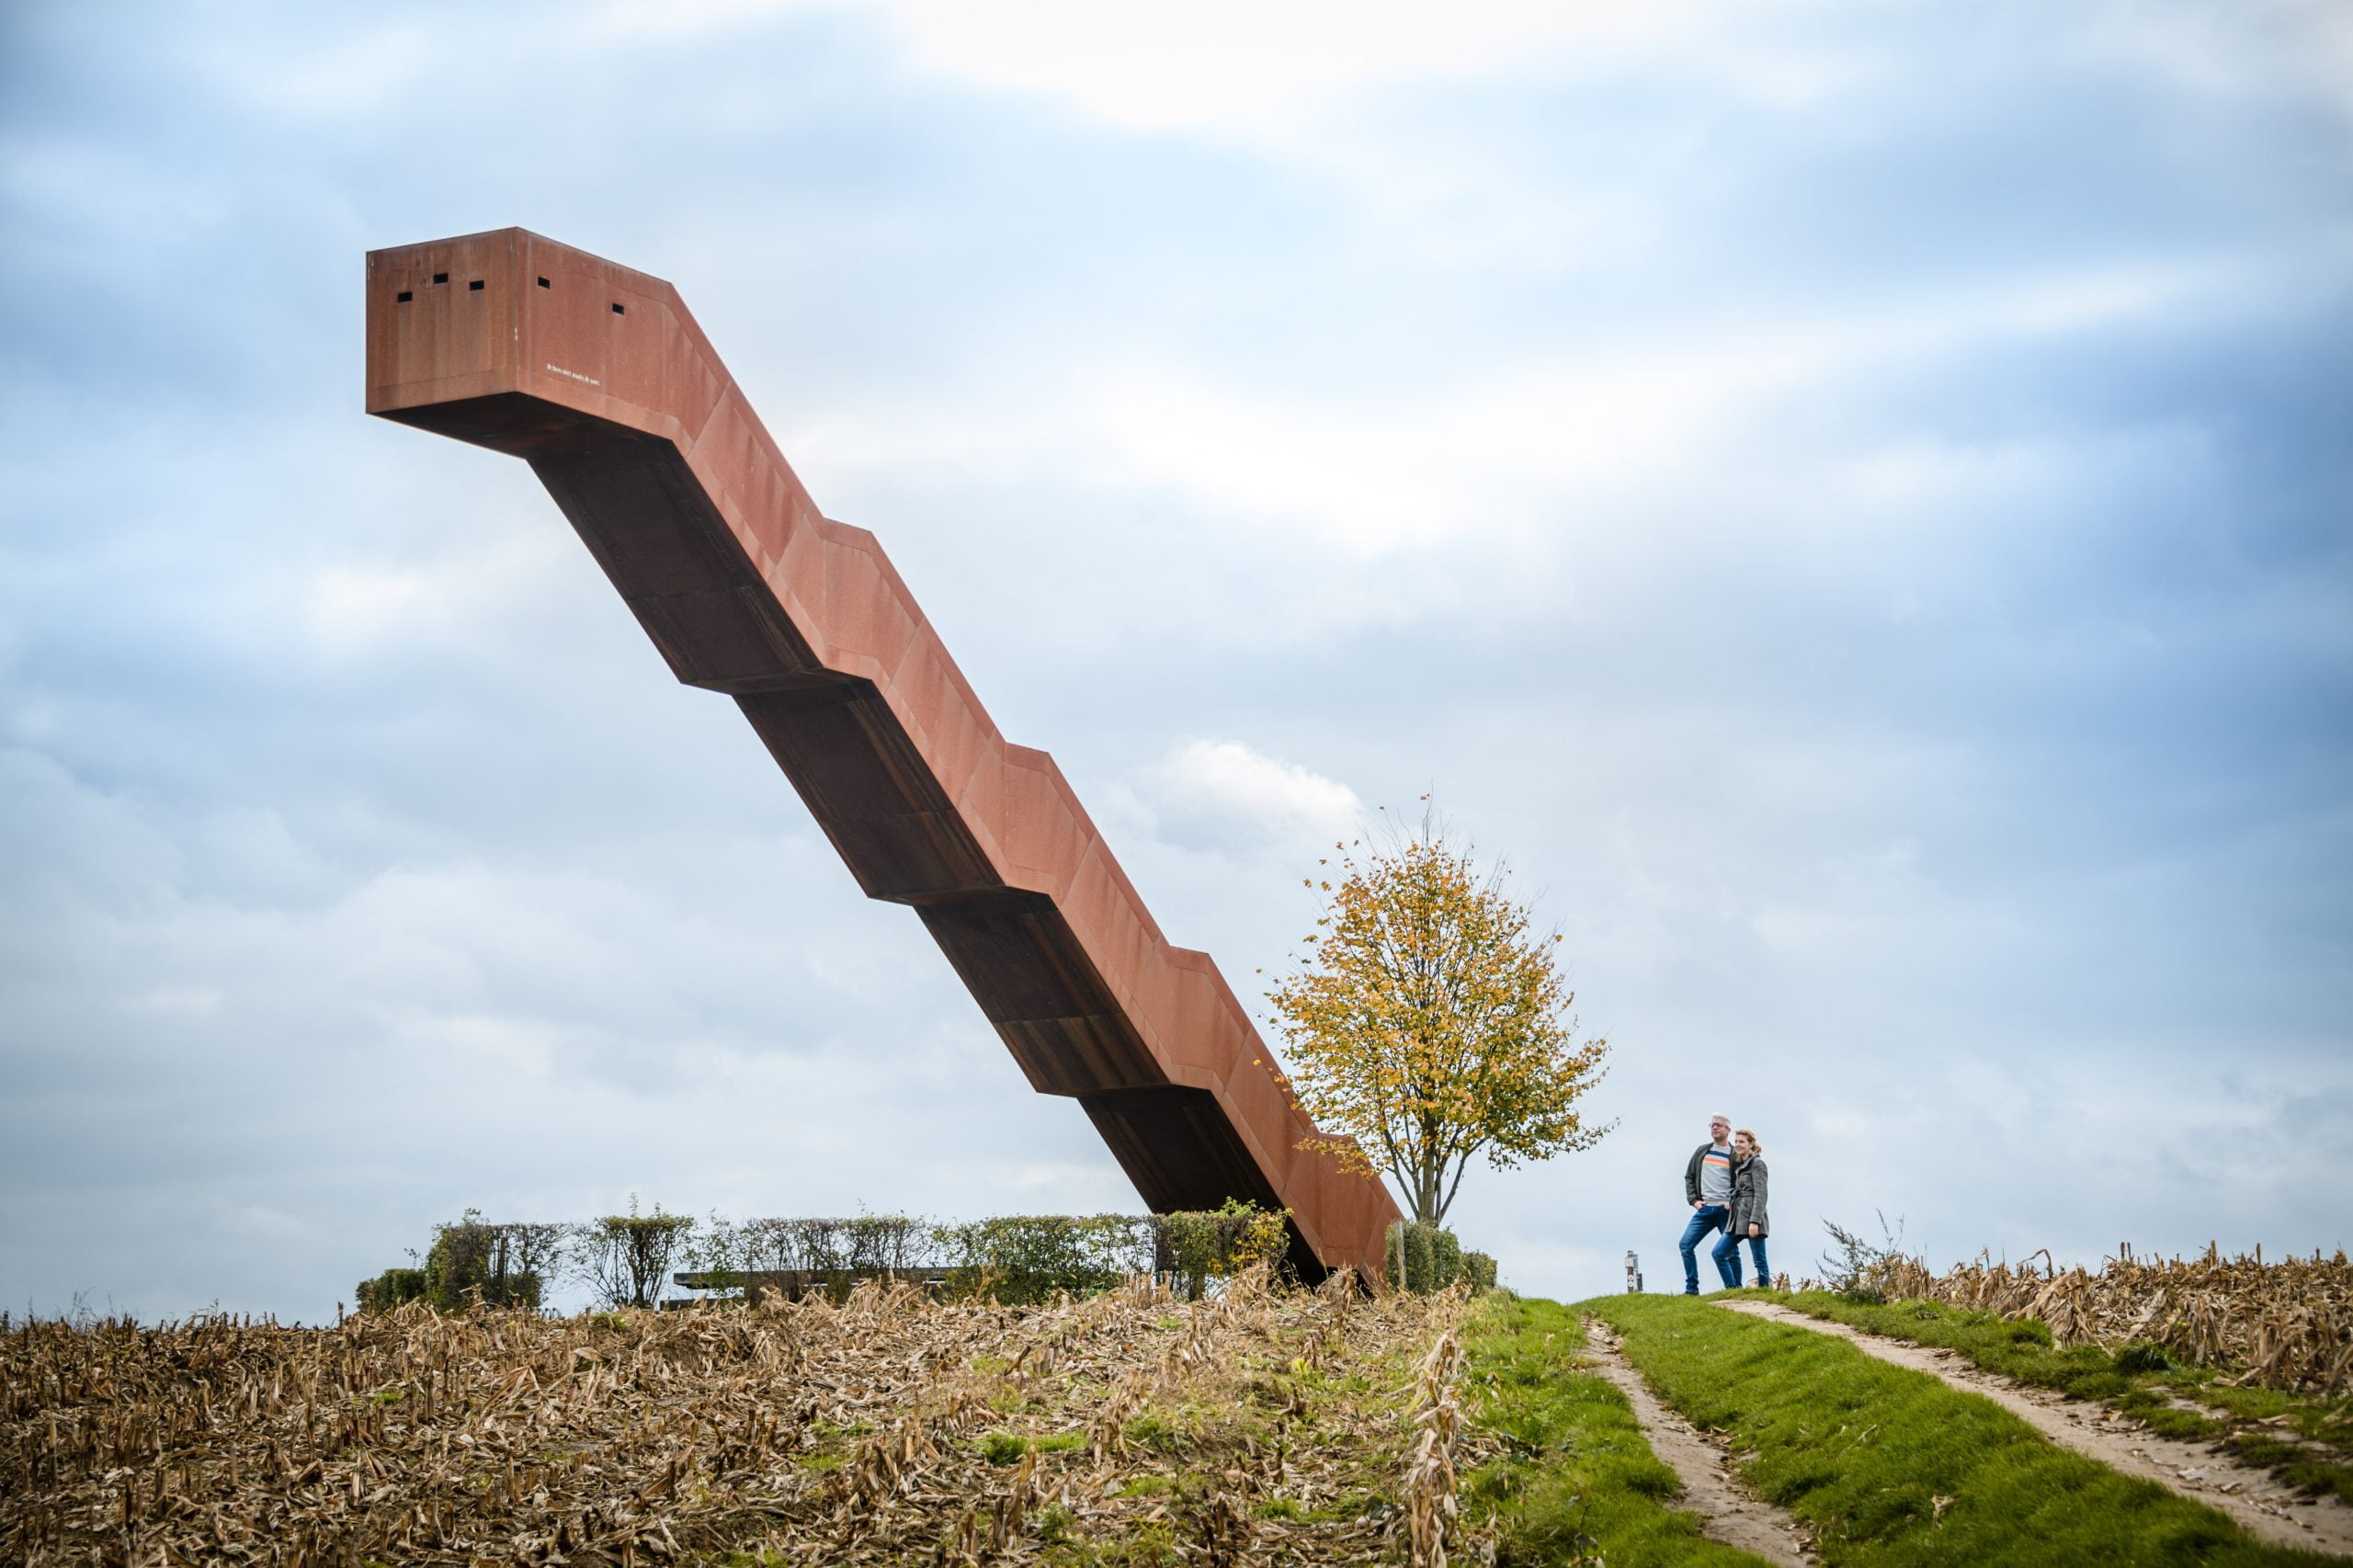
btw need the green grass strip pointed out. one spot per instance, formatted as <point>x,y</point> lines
<point>1892,1466</point>
<point>1577,1478</point>
<point>2021,1349</point>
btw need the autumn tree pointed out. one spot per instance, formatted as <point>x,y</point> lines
<point>1427,1022</point>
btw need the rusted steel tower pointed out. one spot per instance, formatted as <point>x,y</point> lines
<point>598,377</point>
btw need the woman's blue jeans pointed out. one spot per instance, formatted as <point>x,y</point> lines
<point>1727,1256</point>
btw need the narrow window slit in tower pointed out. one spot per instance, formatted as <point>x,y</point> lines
<point>402,298</point>
<point>543,282</point>
<point>440,278</point>
<point>475,284</point>
<point>619,312</point>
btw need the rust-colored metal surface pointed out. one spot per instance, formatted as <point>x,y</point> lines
<point>599,379</point>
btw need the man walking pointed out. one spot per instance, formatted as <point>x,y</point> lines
<point>1707,1184</point>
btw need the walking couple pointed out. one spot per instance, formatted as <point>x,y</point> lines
<point>1725,1186</point>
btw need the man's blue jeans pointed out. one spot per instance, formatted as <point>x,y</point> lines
<point>1706,1218</point>
<point>1727,1256</point>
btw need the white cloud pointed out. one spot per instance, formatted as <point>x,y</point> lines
<point>1221,794</point>
<point>1224,65</point>
<point>1524,451</point>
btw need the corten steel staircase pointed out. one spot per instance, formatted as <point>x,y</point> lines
<point>598,377</point>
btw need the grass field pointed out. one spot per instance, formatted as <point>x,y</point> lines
<point>2305,1439</point>
<point>1892,1467</point>
<point>1574,1481</point>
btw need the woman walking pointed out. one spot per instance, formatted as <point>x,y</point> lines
<point>1747,1222</point>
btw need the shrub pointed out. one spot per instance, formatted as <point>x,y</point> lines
<point>390,1289</point>
<point>1421,1257</point>
<point>1860,1270</point>
<point>1199,1245</point>
<point>838,1250</point>
<point>1027,1259</point>
<point>827,1244</point>
<point>500,1266</point>
<point>474,1261</point>
<point>1419,1274</point>
<point>1446,1258</point>
<point>625,1258</point>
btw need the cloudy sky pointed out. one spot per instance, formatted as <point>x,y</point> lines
<point>1851,501</point>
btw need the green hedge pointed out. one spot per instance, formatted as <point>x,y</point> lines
<point>390,1289</point>
<point>1028,1258</point>
<point>1421,1257</point>
<point>1446,1257</point>
<point>1017,1259</point>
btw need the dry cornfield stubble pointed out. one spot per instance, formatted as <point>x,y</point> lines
<point>2285,1325</point>
<point>1256,1426</point>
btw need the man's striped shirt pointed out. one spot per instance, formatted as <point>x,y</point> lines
<point>1715,1175</point>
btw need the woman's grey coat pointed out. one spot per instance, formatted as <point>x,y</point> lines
<point>1748,1198</point>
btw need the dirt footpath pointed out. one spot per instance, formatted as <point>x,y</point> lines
<point>2258,1501</point>
<point>1728,1514</point>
